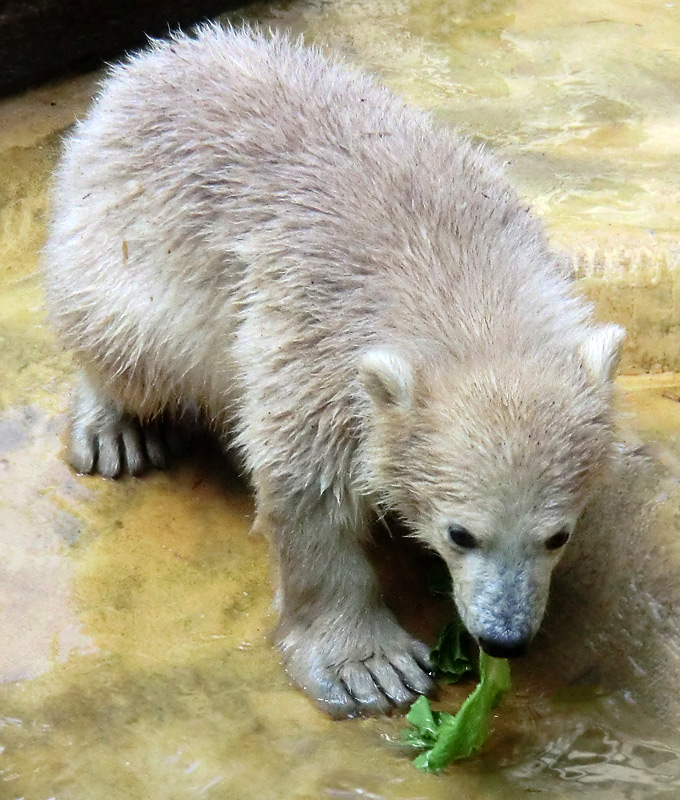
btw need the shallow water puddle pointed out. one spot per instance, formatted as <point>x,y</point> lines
<point>135,615</point>
<point>138,664</point>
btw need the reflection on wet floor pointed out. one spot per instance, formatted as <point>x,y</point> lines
<point>135,614</point>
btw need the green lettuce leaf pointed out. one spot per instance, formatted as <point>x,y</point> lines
<point>450,654</point>
<point>452,737</point>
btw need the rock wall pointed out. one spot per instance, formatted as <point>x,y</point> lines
<point>42,39</point>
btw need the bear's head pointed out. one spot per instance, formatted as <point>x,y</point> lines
<point>490,464</point>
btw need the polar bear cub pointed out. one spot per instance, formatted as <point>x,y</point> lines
<point>356,298</point>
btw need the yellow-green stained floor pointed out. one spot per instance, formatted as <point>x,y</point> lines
<point>134,615</point>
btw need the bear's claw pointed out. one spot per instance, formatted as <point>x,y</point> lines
<point>390,677</point>
<point>115,448</point>
<point>108,441</point>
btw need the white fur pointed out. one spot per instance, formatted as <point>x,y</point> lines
<point>244,226</point>
<point>601,352</point>
<point>387,378</point>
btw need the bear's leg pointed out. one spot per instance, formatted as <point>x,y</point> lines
<point>106,440</point>
<point>340,642</point>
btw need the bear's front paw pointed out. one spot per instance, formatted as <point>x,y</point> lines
<point>360,671</point>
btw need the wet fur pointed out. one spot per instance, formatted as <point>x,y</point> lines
<point>341,286</point>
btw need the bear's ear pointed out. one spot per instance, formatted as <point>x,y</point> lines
<point>387,378</point>
<point>601,352</point>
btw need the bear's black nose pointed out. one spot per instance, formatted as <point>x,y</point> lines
<point>504,646</point>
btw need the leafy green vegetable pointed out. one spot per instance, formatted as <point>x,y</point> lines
<point>447,737</point>
<point>449,655</point>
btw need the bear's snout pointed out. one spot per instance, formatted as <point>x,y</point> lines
<point>505,646</point>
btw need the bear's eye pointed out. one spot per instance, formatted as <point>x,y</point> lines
<point>557,540</point>
<point>462,537</point>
